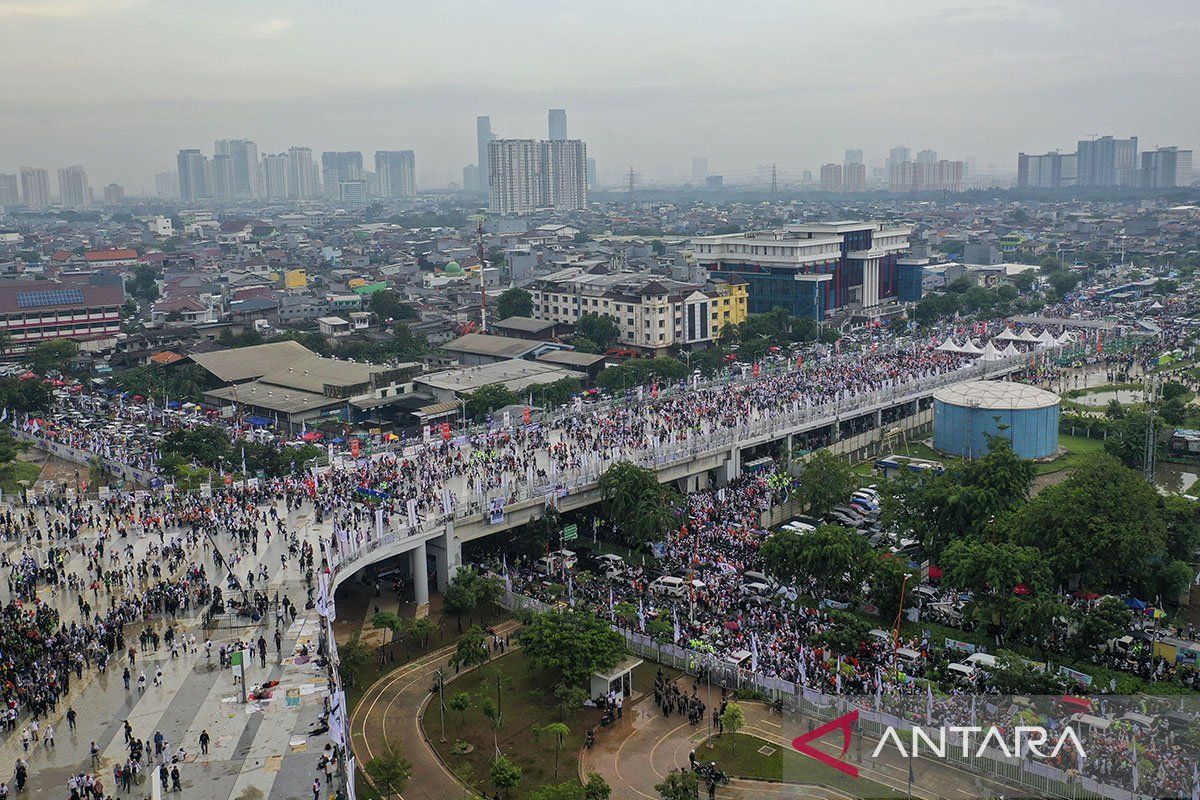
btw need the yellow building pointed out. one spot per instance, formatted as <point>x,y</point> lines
<point>728,304</point>
<point>295,279</point>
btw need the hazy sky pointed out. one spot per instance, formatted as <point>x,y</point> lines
<point>120,85</point>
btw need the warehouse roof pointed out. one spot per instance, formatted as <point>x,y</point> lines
<point>495,346</point>
<point>246,363</point>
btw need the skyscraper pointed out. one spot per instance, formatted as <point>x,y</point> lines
<point>73,188</point>
<point>514,175</point>
<point>564,183</point>
<point>1166,167</point>
<point>397,171</point>
<point>591,173</point>
<point>35,187</point>
<point>223,183</point>
<point>557,119</point>
<point>898,155</point>
<point>193,175</point>
<point>1108,162</point>
<point>114,194</point>
<point>483,135</point>
<point>853,157</point>
<point>699,168</point>
<point>166,185</point>
<point>301,174</point>
<point>244,155</point>
<point>831,177</point>
<point>10,193</point>
<point>274,183</point>
<point>854,176</point>
<point>339,167</point>
<point>1052,170</point>
<point>926,157</point>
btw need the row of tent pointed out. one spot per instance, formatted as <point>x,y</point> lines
<point>989,352</point>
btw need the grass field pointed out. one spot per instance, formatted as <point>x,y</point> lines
<point>526,702</point>
<point>739,755</point>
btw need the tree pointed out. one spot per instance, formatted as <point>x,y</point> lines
<point>389,771</point>
<point>572,645</point>
<point>733,719</point>
<point>386,304</point>
<point>422,629</point>
<point>834,558</point>
<point>1109,619</point>
<point>472,649</point>
<point>460,702</point>
<point>487,399</point>
<point>557,731</point>
<point>144,284</point>
<point>1063,281</point>
<point>995,573</point>
<point>6,341</point>
<point>596,788</point>
<point>681,785</point>
<point>353,657</point>
<point>398,625</point>
<point>514,302</point>
<point>599,328</point>
<point>826,481</point>
<point>570,696</point>
<point>642,508</point>
<point>1102,527</point>
<point>53,354</point>
<point>887,578</point>
<point>505,774</point>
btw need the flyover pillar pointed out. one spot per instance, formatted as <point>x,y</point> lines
<point>447,556</point>
<point>420,571</point>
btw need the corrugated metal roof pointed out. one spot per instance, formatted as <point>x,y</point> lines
<point>245,363</point>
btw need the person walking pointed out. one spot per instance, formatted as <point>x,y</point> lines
<point>204,739</point>
<point>70,718</point>
<point>48,736</point>
<point>95,754</point>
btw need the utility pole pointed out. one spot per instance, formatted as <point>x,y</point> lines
<point>1151,439</point>
<point>482,264</point>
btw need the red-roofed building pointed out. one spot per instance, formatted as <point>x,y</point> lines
<point>111,258</point>
<point>31,311</point>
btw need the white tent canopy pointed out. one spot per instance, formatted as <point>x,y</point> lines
<point>1047,338</point>
<point>1066,337</point>
<point>970,348</point>
<point>990,353</point>
<point>949,346</point>
<point>1006,335</point>
<point>1026,336</point>
<point>1010,351</point>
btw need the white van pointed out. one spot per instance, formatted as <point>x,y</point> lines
<point>965,671</point>
<point>752,576</point>
<point>983,660</point>
<point>669,585</point>
<point>567,557</point>
<point>908,656</point>
<point>546,565</point>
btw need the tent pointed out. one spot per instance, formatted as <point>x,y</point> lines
<point>1066,337</point>
<point>1026,336</point>
<point>1010,351</point>
<point>1006,335</point>
<point>970,348</point>
<point>990,353</point>
<point>1135,604</point>
<point>949,346</point>
<point>1047,338</point>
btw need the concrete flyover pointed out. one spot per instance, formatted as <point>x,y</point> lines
<point>693,464</point>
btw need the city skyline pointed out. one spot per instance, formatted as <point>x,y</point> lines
<point>369,97</point>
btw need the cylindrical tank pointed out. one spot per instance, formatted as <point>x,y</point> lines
<point>966,414</point>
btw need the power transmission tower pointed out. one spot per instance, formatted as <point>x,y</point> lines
<point>774,180</point>
<point>632,181</point>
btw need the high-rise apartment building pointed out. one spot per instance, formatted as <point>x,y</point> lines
<point>193,175</point>
<point>898,155</point>
<point>166,185</point>
<point>397,171</point>
<point>854,176</point>
<point>1108,162</point>
<point>273,181</point>
<point>339,167</point>
<point>922,176</point>
<point>527,174</point>
<point>831,177</point>
<point>514,175</point>
<point>699,168</point>
<point>853,157</point>
<point>223,181</point>
<point>73,188</point>
<point>564,184</point>
<point>35,187</point>
<point>114,194</point>
<point>483,137</point>
<point>926,157</point>
<point>10,192</point>
<point>301,174</point>
<point>591,173</point>
<point>557,119</point>
<point>1053,170</point>
<point>244,159</point>
<point>1166,167</point>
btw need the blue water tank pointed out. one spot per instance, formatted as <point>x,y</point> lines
<point>966,414</point>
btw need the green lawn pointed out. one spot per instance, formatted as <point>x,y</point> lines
<point>738,754</point>
<point>1078,448</point>
<point>526,701</point>
<point>10,479</point>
